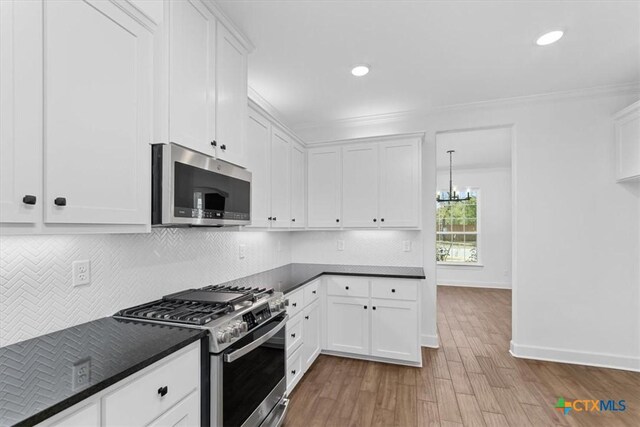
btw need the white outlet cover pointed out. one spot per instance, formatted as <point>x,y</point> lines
<point>406,245</point>
<point>242,251</point>
<point>81,272</point>
<point>341,245</point>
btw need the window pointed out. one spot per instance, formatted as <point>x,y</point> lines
<point>457,230</point>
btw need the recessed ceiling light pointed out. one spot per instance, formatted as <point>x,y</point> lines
<point>549,38</point>
<point>360,70</point>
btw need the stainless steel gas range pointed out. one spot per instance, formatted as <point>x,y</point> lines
<point>246,348</point>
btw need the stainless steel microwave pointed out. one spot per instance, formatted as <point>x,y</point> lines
<point>191,189</point>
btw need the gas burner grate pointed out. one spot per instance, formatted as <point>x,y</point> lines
<point>257,292</point>
<point>187,312</point>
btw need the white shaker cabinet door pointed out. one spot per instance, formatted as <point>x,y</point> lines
<point>323,187</point>
<point>280,179</point>
<point>97,103</point>
<point>258,163</point>
<point>400,183</point>
<point>191,100</point>
<point>348,324</point>
<point>394,330</point>
<point>231,97</point>
<point>311,333</point>
<point>298,186</point>
<point>360,185</point>
<point>20,111</point>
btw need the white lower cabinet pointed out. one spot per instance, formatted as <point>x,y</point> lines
<point>348,324</point>
<point>394,329</point>
<point>311,333</point>
<point>166,393</point>
<point>294,369</point>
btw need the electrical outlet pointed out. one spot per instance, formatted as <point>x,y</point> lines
<point>406,245</point>
<point>81,272</point>
<point>242,251</point>
<point>81,374</point>
<point>341,245</point>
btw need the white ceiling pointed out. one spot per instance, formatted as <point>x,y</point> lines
<point>475,149</point>
<point>425,54</point>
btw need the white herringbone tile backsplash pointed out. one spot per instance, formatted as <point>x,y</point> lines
<point>36,292</point>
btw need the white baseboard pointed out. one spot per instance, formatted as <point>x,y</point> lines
<point>601,360</point>
<point>429,341</point>
<point>471,284</point>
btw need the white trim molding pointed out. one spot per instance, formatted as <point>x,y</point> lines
<point>601,360</point>
<point>476,284</point>
<point>430,341</point>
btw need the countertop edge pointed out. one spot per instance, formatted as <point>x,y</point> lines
<point>334,273</point>
<point>96,388</point>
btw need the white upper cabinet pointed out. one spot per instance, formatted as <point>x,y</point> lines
<point>231,97</point>
<point>323,187</point>
<point>20,112</point>
<point>360,185</point>
<point>258,162</point>
<point>98,76</point>
<point>298,186</point>
<point>191,102</point>
<point>280,179</point>
<point>400,183</point>
<point>627,125</point>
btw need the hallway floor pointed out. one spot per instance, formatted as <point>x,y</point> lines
<point>471,380</point>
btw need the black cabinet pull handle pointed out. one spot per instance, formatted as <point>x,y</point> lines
<point>346,287</point>
<point>293,372</point>
<point>365,307</point>
<point>223,147</point>
<point>295,304</point>
<point>214,143</point>
<point>29,199</point>
<point>293,335</point>
<point>393,290</point>
<point>60,201</point>
<point>306,317</point>
<point>375,220</point>
<point>162,391</point>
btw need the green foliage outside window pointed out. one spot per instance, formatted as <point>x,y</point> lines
<point>457,230</point>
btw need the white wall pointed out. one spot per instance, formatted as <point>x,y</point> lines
<point>494,247</point>
<point>361,247</point>
<point>575,298</point>
<point>36,292</point>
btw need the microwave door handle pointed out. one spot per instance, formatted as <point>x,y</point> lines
<point>231,357</point>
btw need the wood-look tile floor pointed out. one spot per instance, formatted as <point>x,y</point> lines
<point>471,380</point>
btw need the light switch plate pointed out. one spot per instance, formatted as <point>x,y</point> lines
<point>242,251</point>
<point>406,245</point>
<point>341,245</point>
<point>81,272</point>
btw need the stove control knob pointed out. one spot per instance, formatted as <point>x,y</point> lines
<point>235,331</point>
<point>244,327</point>
<point>224,337</point>
<point>283,304</point>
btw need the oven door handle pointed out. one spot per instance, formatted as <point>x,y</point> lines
<point>231,357</point>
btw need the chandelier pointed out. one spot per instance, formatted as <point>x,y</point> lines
<point>452,195</point>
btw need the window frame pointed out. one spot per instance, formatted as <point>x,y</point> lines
<point>477,233</point>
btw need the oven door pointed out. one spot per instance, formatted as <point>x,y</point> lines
<point>253,375</point>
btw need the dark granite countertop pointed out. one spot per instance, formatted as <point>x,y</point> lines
<point>36,375</point>
<point>291,276</point>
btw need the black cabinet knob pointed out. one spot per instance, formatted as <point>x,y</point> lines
<point>306,317</point>
<point>295,304</point>
<point>293,220</point>
<point>29,199</point>
<point>293,372</point>
<point>293,335</point>
<point>275,219</point>
<point>313,292</point>
<point>337,220</point>
<point>346,287</point>
<point>162,391</point>
<point>60,201</point>
<point>373,308</point>
<point>393,290</point>
<point>270,218</point>
<point>375,220</point>
<point>365,307</point>
<point>214,143</point>
<point>382,219</point>
<point>223,147</point>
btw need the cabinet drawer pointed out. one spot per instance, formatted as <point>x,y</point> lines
<point>294,333</point>
<point>348,286</point>
<point>294,369</point>
<point>140,401</point>
<point>394,289</point>
<point>311,292</point>
<point>296,302</point>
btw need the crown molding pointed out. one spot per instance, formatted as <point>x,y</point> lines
<point>377,119</point>
<point>368,139</point>
<point>228,23</point>
<point>274,115</point>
